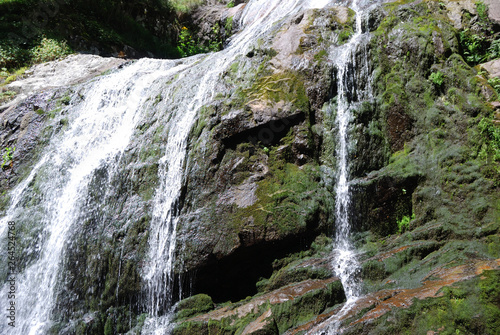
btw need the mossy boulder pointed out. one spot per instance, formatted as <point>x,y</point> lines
<point>193,305</point>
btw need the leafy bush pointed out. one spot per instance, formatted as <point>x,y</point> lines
<point>49,49</point>
<point>188,46</point>
<point>472,45</point>
<point>12,55</point>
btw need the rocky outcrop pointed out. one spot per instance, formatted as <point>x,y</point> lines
<point>72,70</point>
<point>421,192</point>
<point>262,190</point>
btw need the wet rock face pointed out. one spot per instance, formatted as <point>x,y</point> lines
<point>61,73</point>
<point>420,192</point>
<point>27,126</point>
<point>254,186</point>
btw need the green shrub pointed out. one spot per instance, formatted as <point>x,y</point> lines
<point>49,49</point>
<point>188,46</point>
<point>12,55</point>
<point>472,45</point>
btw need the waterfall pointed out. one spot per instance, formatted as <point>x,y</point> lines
<point>345,263</point>
<point>100,128</point>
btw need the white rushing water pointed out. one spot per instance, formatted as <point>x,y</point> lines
<point>99,130</point>
<point>345,263</point>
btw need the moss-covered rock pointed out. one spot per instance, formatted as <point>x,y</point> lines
<point>193,305</point>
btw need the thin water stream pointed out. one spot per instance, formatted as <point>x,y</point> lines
<point>345,263</point>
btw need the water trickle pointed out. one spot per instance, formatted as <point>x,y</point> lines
<point>345,263</point>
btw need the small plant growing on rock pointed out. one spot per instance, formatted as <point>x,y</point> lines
<point>495,83</point>
<point>472,45</point>
<point>494,50</point>
<point>187,46</point>
<point>7,157</point>
<point>404,223</point>
<point>437,78</point>
<point>482,10</point>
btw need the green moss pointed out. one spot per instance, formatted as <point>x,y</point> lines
<point>108,327</point>
<point>288,199</point>
<point>293,273</point>
<point>200,303</point>
<point>373,270</point>
<point>276,87</point>
<point>190,328</point>
<point>320,55</point>
<point>304,308</point>
<point>469,307</point>
<point>229,26</point>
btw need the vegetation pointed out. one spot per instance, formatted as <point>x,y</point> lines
<point>34,31</point>
<point>184,6</point>
<point>495,83</point>
<point>187,45</point>
<point>437,78</point>
<point>197,304</point>
<point>490,150</point>
<point>478,41</point>
<point>470,307</point>
<point>404,223</point>
<point>49,49</point>
<point>7,158</point>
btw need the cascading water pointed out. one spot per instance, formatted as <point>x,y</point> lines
<point>99,131</point>
<point>345,262</point>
